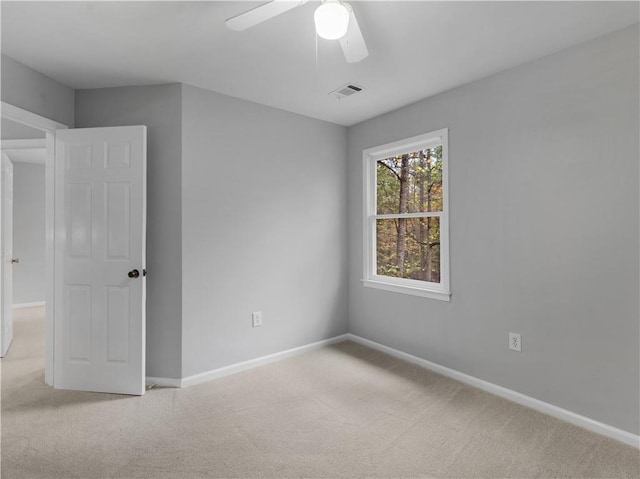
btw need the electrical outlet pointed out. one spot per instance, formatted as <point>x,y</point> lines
<point>256,319</point>
<point>515,342</point>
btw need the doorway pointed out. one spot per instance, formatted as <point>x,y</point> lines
<point>25,127</point>
<point>95,189</point>
<point>23,284</point>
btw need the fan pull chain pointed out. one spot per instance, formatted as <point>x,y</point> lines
<point>316,35</point>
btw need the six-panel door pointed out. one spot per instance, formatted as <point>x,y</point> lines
<point>100,211</point>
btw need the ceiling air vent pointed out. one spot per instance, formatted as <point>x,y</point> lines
<point>347,90</point>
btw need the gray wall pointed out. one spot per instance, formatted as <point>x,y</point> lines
<point>16,131</point>
<point>29,237</point>
<point>264,229</point>
<point>544,231</point>
<point>31,90</point>
<point>159,108</point>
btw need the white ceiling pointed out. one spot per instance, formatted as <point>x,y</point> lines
<point>417,48</point>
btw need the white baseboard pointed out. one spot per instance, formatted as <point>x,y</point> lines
<point>519,398</point>
<point>28,305</point>
<point>252,363</point>
<point>163,382</point>
<point>544,407</point>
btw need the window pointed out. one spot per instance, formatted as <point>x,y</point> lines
<point>406,222</point>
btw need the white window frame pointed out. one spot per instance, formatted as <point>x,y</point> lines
<point>370,157</point>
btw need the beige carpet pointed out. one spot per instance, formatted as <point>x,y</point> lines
<point>341,411</point>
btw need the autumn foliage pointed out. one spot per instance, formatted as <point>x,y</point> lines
<point>409,247</point>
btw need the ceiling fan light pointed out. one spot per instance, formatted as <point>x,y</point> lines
<point>332,20</point>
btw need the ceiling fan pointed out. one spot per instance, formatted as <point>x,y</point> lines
<point>334,20</point>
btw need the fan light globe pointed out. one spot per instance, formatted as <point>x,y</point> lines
<point>332,20</point>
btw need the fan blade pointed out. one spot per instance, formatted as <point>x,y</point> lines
<point>262,13</point>
<point>353,45</point>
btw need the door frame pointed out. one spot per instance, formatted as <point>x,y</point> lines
<point>49,127</point>
<point>7,259</point>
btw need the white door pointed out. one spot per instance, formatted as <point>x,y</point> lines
<point>100,227</point>
<point>7,255</point>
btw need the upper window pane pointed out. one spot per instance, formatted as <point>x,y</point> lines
<point>410,183</point>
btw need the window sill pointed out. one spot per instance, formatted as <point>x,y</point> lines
<point>425,293</point>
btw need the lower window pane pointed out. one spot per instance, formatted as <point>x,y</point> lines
<point>409,248</point>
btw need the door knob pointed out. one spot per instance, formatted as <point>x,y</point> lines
<point>15,261</point>
<point>134,274</point>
